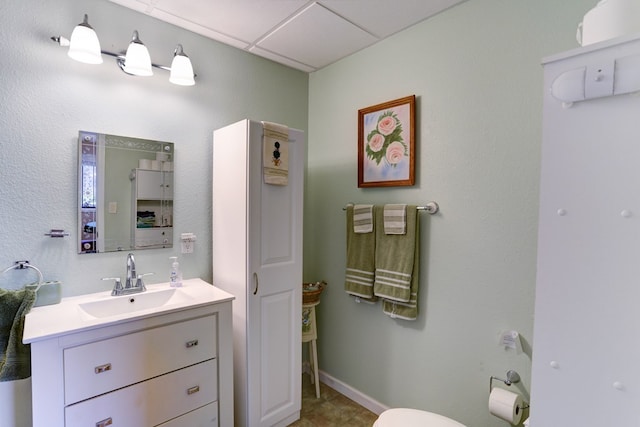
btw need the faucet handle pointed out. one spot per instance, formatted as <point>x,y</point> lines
<point>117,287</point>
<point>140,283</point>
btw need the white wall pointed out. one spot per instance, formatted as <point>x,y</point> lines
<point>47,98</point>
<point>476,72</point>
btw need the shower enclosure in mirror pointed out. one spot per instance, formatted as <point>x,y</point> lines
<point>125,193</point>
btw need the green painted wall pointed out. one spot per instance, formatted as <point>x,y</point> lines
<point>475,70</point>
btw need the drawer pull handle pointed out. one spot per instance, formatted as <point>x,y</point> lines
<point>193,390</point>
<point>192,343</point>
<point>105,422</point>
<point>100,369</point>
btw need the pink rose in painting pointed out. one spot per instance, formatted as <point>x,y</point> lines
<point>395,153</point>
<point>387,125</point>
<point>376,142</point>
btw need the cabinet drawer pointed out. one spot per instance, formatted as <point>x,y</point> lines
<point>102,366</point>
<point>151,402</point>
<point>207,416</point>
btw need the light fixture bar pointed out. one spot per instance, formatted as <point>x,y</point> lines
<point>64,42</point>
<point>177,76</point>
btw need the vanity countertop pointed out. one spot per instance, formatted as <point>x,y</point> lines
<point>68,317</point>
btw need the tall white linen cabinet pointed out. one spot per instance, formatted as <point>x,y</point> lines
<point>586,350</point>
<point>257,256</point>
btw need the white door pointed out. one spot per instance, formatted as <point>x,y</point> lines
<point>275,287</point>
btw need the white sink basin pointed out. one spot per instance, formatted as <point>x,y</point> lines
<point>92,311</point>
<point>114,306</point>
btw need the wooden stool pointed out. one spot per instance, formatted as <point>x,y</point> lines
<point>310,335</point>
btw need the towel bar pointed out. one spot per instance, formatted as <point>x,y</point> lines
<point>431,207</point>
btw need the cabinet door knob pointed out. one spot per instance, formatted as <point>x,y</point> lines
<point>193,343</point>
<point>105,422</point>
<point>102,368</point>
<point>193,390</point>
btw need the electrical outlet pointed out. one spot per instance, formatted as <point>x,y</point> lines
<point>188,242</point>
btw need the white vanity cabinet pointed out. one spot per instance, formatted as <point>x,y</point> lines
<point>171,369</point>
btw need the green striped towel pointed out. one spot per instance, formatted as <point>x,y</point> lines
<point>15,357</point>
<point>408,310</point>
<point>360,260</point>
<point>395,256</point>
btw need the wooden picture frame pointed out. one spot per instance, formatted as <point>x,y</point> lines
<point>386,144</point>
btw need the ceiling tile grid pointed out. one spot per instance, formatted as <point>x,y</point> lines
<point>302,34</point>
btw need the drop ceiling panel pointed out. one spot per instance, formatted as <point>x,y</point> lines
<point>249,21</point>
<point>384,17</point>
<point>316,37</point>
<point>302,34</point>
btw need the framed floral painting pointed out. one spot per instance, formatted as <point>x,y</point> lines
<point>386,144</point>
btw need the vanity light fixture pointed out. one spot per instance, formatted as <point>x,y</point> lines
<point>84,46</point>
<point>181,68</point>
<point>137,60</point>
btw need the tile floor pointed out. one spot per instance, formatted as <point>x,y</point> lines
<point>332,409</point>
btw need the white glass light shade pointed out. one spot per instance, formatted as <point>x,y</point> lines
<point>137,60</point>
<point>181,70</point>
<point>84,45</point>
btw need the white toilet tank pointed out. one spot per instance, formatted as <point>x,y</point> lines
<point>413,418</point>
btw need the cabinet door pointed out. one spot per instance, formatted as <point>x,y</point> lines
<point>585,360</point>
<point>275,287</point>
<point>150,185</point>
<point>167,185</point>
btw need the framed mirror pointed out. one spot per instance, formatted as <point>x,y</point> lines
<point>125,193</point>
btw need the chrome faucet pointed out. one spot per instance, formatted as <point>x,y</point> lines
<point>133,282</point>
<point>131,272</point>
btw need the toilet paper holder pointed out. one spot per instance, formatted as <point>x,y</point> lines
<point>512,378</point>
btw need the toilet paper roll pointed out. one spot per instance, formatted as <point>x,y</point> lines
<point>144,163</point>
<point>163,157</point>
<point>505,405</point>
<point>156,165</point>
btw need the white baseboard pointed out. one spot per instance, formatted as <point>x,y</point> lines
<point>353,394</point>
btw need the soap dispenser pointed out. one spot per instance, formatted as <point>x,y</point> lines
<point>175,277</point>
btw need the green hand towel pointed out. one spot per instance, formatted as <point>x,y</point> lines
<point>395,256</point>
<point>408,310</point>
<point>360,260</point>
<point>15,357</point>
